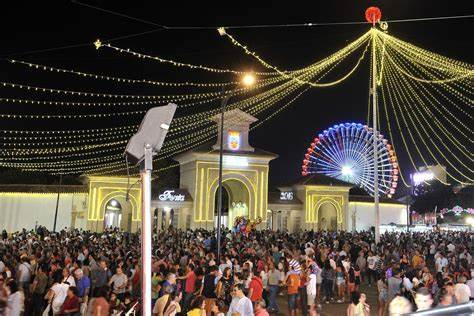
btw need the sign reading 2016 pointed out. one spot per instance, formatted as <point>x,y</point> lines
<point>169,195</point>
<point>286,196</point>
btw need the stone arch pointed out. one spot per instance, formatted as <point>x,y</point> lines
<point>334,203</point>
<point>246,183</point>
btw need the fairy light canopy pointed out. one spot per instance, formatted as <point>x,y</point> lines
<point>425,99</point>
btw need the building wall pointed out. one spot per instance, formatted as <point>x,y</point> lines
<point>24,210</point>
<point>365,215</point>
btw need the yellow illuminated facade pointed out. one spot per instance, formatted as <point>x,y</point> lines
<point>244,176</point>
<point>312,202</point>
<point>317,202</point>
<point>102,190</point>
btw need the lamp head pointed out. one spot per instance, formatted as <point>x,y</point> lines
<point>248,80</point>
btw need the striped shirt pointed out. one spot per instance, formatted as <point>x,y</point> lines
<point>295,265</point>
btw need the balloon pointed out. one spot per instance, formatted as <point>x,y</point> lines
<point>373,15</point>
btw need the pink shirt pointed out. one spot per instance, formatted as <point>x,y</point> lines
<point>262,312</point>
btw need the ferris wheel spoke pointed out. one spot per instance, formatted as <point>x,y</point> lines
<point>335,146</point>
<point>326,158</point>
<point>354,145</point>
<point>330,151</point>
<point>329,165</point>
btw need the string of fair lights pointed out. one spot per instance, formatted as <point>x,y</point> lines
<point>428,95</point>
<point>275,94</point>
<point>164,151</point>
<point>414,97</point>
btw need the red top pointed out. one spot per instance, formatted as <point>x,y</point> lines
<point>69,303</point>
<point>190,282</point>
<point>136,277</point>
<point>257,286</point>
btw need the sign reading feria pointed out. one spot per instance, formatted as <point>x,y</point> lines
<point>169,195</point>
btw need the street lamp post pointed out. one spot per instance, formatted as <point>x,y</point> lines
<point>247,80</point>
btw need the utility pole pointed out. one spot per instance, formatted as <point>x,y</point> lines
<point>376,136</point>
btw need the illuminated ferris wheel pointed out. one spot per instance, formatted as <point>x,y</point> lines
<point>345,152</point>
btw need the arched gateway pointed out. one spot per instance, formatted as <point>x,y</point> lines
<point>245,174</point>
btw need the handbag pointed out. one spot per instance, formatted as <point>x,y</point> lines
<point>83,309</point>
<point>47,310</point>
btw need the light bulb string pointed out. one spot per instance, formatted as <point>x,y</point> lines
<point>120,79</point>
<point>285,74</point>
<point>400,100</point>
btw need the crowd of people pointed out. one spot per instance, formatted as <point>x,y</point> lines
<point>75,272</point>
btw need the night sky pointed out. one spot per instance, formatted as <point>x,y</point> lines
<point>30,27</point>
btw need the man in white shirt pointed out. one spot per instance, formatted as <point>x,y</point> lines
<point>241,305</point>
<point>451,247</point>
<point>432,249</point>
<point>441,262</point>
<point>466,255</point>
<point>462,292</point>
<point>372,273</point>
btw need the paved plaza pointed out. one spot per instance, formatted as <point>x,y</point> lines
<point>336,308</point>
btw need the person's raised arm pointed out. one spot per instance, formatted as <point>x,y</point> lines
<point>250,292</point>
<point>202,287</point>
